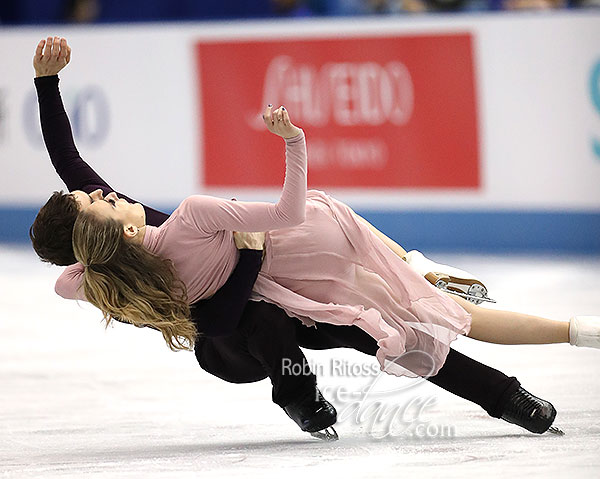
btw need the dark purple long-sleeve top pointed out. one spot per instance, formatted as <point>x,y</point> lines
<point>216,316</point>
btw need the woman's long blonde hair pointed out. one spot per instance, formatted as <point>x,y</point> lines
<point>125,281</point>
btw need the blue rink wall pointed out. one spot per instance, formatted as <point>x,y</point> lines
<point>468,231</point>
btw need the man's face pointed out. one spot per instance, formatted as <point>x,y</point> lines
<point>111,206</point>
<point>84,200</point>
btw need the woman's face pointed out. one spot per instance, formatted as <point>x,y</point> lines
<point>113,207</point>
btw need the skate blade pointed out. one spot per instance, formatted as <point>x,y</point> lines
<point>326,435</point>
<point>465,295</point>
<point>556,430</point>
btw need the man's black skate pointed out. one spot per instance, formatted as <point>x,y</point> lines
<point>530,412</point>
<point>312,412</point>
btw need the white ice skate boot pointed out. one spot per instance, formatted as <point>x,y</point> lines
<point>585,331</point>
<point>448,278</point>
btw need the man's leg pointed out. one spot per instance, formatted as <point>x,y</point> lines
<point>460,375</point>
<point>264,345</point>
<point>227,358</point>
<point>271,339</point>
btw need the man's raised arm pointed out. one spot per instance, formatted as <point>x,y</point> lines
<point>51,56</point>
<point>216,316</point>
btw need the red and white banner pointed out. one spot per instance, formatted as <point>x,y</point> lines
<point>393,112</point>
<point>453,112</point>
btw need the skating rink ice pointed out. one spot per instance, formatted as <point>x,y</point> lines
<point>79,401</point>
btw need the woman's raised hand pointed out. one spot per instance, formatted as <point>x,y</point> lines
<point>51,56</point>
<point>278,122</point>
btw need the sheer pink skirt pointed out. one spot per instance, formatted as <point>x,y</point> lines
<point>333,269</point>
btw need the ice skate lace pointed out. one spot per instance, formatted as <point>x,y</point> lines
<point>524,405</point>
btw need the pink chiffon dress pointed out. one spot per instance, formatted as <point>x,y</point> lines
<point>322,264</point>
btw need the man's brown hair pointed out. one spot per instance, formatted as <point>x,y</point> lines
<point>52,230</point>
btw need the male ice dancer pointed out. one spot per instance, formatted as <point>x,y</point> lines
<point>246,341</point>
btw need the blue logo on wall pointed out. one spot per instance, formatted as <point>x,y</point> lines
<point>88,114</point>
<point>595,94</point>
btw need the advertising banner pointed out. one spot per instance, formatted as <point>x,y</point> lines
<point>391,112</point>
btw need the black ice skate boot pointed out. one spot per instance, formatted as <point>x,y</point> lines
<point>314,414</point>
<point>530,412</point>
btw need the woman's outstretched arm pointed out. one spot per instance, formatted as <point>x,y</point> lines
<point>209,214</point>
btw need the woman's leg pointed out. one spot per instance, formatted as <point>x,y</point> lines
<point>390,243</point>
<point>500,327</point>
<point>506,327</point>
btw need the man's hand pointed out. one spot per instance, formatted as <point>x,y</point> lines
<point>278,122</point>
<point>249,240</point>
<point>51,56</point>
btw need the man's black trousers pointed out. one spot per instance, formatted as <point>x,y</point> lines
<point>265,344</point>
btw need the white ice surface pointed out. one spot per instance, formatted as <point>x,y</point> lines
<point>79,401</point>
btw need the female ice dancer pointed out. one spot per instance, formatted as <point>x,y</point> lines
<point>323,264</point>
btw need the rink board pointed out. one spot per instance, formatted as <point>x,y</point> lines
<point>529,84</point>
